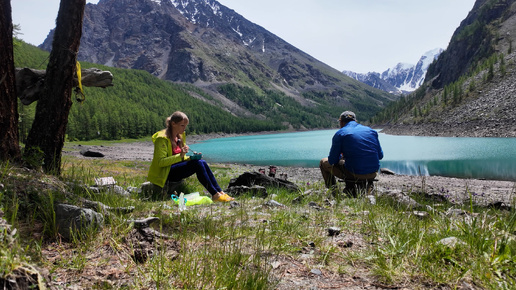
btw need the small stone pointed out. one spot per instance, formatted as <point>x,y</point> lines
<point>450,242</point>
<point>455,212</point>
<point>315,206</point>
<point>387,171</point>
<point>420,214</point>
<point>132,189</point>
<point>316,272</point>
<point>273,203</point>
<point>94,189</point>
<point>275,264</point>
<point>371,199</point>
<point>345,244</point>
<point>105,181</point>
<point>330,202</point>
<point>333,231</point>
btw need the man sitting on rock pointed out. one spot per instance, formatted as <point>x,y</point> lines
<point>354,156</point>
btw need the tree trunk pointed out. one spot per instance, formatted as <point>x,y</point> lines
<point>9,148</point>
<point>47,135</point>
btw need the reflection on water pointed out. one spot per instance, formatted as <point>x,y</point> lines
<point>480,169</point>
<point>407,167</point>
<point>489,158</point>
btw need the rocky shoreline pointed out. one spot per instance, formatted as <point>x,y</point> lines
<point>457,190</point>
<point>478,128</point>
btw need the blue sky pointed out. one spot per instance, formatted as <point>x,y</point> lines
<point>356,35</point>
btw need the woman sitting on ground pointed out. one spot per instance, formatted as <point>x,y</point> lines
<point>170,163</point>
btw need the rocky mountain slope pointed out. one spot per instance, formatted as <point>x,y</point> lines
<point>470,89</point>
<point>403,78</point>
<point>207,44</point>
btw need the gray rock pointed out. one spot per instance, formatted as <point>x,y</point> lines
<point>371,199</point>
<point>330,203</point>
<point>450,242</point>
<point>256,178</point>
<point>402,199</point>
<point>255,190</point>
<point>104,181</point>
<point>73,221</point>
<point>117,189</point>
<point>91,153</point>
<point>148,188</point>
<point>333,231</point>
<point>420,214</point>
<point>273,203</point>
<point>316,272</point>
<point>132,189</point>
<point>93,189</point>
<point>387,171</point>
<point>455,212</point>
<point>314,205</point>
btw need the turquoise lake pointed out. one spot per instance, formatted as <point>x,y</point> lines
<point>489,158</point>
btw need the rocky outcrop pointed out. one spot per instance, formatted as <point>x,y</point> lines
<point>73,221</point>
<point>204,43</point>
<point>487,112</point>
<point>469,91</point>
<point>476,38</point>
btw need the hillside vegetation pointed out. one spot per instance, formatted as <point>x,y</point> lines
<point>469,90</point>
<point>138,104</point>
<point>135,106</point>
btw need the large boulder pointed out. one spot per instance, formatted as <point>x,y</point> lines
<point>74,222</point>
<point>255,178</point>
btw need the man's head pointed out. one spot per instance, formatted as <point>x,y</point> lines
<point>347,116</point>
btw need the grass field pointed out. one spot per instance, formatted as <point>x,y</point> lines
<point>254,244</point>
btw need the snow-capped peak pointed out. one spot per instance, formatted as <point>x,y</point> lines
<point>403,76</point>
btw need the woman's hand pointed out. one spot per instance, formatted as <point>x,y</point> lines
<point>184,150</point>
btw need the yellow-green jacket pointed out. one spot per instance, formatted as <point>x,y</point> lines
<point>163,158</point>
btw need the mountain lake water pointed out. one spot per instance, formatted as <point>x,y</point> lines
<point>482,158</point>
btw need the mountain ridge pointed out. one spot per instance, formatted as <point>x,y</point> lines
<point>469,91</point>
<point>401,79</point>
<point>208,45</point>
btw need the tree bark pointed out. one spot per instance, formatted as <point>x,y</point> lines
<point>30,82</point>
<point>9,148</point>
<point>47,135</point>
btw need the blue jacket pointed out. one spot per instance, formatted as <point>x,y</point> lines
<point>359,146</point>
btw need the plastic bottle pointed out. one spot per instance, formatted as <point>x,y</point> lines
<point>182,202</point>
<point>192,196</point>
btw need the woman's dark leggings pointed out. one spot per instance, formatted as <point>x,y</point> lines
<point>185,169</point>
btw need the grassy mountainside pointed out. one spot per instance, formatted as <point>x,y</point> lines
<point>138,103</point>
<point>207,44</point>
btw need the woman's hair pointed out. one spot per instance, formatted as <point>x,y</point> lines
<point>176,117</point>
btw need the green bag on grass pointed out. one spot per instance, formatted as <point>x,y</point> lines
<point>193,199</point>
